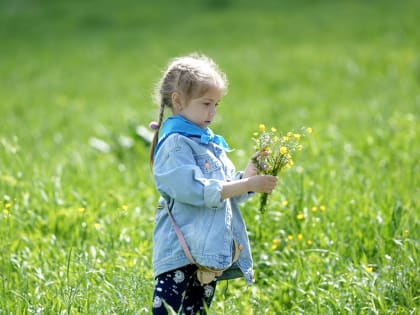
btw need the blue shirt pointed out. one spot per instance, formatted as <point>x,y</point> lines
<point>190,175</point>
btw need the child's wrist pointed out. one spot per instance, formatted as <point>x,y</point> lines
<point>247,184</point>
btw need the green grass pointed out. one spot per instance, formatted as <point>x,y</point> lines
<point>76,223</point>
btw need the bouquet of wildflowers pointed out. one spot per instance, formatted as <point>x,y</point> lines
<point>275,153</point>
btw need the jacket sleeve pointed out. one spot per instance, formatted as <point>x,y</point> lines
<point>178,176</point>
<point>243,197</point>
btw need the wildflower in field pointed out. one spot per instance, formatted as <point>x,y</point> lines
<point>314,209</point>
<point>6,212</point>
<point>322,208</point>
<point>275,244</point>
<point>97,226</point>
<point>300,237</point>
<point>285,203</point>
<point>290,237</point>
<point>300,216</point>
<point>275,152</point>
<point>81,209</point>
<point>309,242</point>
<point>368,269</point>
<point>124,207</point>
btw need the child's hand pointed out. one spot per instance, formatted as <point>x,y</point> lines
<point>256,183</point>
<point>262,183</point>
<point>251,168</point>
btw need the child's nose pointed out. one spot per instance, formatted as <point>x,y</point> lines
<point>213,110</point>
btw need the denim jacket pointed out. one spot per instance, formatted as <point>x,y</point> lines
<point>190,175</point>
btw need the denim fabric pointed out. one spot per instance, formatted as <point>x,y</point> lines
<point>190,175</point>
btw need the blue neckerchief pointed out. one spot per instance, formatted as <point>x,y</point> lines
<point>178,124</point>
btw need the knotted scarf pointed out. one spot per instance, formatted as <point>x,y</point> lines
<point>181,125</point>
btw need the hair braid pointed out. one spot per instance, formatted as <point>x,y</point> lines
<point>156,135</point>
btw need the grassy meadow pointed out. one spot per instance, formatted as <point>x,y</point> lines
<point>77,198</point>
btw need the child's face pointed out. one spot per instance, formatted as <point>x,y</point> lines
<point>202,110</point>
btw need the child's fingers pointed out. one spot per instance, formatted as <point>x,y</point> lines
<point>259,153</point>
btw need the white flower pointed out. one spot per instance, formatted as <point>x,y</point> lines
<point>208,291</point>
<point>179,276</point>
<point>157,302</point>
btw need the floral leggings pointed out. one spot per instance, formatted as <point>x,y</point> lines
<point>181,290</point>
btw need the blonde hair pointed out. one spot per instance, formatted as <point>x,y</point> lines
<point>191,76</point>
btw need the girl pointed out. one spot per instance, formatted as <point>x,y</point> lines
<point>200,236</point>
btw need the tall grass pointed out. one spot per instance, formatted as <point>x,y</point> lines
<point>77,196</point>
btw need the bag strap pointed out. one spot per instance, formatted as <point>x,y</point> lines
<point>180,235</point>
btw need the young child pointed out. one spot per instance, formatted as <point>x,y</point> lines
<point>200,191</point>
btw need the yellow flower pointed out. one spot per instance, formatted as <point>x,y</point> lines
<point>81,210</point>
<point>255,134</point>
<point>314,209</point>
<point>97,226</point>
<point>6,212</point>
<point>300,237</point>
<point>289,134</point>
<point>290,237</point>
<point>8,205</point>
<point>369,269</point>
<point>273,129</point>
<point>124,207</point>
<point>285,203</point>
<point>297,136</point>
<point>275,244</point>
<point>322,208</point>
<point>299,147</point>
<point>309,242</point>
<point>283,150</point>
<point>300,216</point>
<point>261,127</point>
<point>309,130</point>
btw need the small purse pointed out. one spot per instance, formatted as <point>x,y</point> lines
<point>204,274</point>
<point>207,276</point>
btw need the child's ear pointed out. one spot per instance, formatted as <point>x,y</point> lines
<point>176,101</point>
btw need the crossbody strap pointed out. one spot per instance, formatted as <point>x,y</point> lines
<point>180,235</point>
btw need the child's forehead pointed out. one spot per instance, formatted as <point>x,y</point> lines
<point>212,93</point>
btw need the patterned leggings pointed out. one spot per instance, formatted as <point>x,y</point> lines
<point>181,290</point>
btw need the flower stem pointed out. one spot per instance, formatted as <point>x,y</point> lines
<point>263,202</point>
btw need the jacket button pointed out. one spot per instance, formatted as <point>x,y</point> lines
<point>241,247</point>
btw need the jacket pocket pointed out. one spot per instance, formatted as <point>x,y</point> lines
<point>208,164</point>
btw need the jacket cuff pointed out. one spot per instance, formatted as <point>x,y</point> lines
<point>213,193</point>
